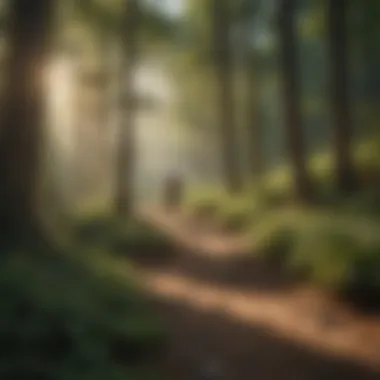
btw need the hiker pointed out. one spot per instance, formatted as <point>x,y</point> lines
<point>173,190</point>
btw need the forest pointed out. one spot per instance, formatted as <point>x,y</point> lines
<point>189,189</point>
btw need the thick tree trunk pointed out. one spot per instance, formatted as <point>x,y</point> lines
<point>291,98</point>
<point>223,63</point>
<point>340,115</point>
<point>126,133</point>
<point>22,117</point>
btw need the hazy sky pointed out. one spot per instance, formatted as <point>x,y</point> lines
<point>173,7</point>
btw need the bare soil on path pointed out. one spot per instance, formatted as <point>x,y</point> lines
<point>227,321</point>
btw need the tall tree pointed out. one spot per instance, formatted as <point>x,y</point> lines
<point>254,120</point>
<point>22,117</point>
<point>112,25</point>
<point>291,98</point>
<point>247,14</point>
<point>340,114</point>
<point>126,133</point>
<point>221,26</point>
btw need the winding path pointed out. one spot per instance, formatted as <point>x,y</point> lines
<point>222,328</point>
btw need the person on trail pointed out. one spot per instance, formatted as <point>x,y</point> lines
<point>173,190</point>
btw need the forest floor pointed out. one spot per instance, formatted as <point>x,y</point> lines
<point>230,317</point>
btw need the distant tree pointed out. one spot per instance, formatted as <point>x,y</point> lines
<point>221,27</point>
<point>254,121</point>
<point>126,24</point>
<point>291,97</point>
<point>22,117</point>
<point>126,144</point>
<point>340,113</point>
<point>247,16</point>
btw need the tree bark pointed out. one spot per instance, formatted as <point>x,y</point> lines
<point>254,120</point>
<point>223,64</point>
<point>291,99</point>
<point>23,116</point>
<point>126,144</point>
<point>340,114</point>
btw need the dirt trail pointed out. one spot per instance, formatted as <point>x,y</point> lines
<point>242,332</point>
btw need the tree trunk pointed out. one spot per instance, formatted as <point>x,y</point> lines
<point>22,117</point>
<point>291,99</point>
<point>223,63</point>
<point>340,115</point>
<point>126,133</point>
<point>254,121</point>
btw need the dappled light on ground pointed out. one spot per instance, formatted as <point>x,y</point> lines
<point>289,315</point>
<point>219,285</point>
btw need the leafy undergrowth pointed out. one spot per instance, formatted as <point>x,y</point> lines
<point>335,249</point>
<point>240,212</point>
<point>131,238</point>
<point>335,244</point>
<point>204,202</point>
<point>74,316</point>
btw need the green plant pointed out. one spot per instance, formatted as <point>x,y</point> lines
<point>129,238</point>
<point>340,251</point>
<point>277,187</point>
<point>237,214</point>
<point>273,238</point>
<point>204,201</point>
<point>334,249</point>
<point>138,238</point>
<point>72,316</point>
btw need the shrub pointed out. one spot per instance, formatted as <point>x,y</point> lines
<point>340,251</point>
<point>230,213</point>
<point>237,214</point>
<point>273,238</point>
<point>337,250</point>
<point>204,203</point>
<point>66,318</point>
<point>278,187</point>
<point>129,238</point>
<point>138,238</point>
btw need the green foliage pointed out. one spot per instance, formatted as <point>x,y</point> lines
<point>68,316</point>
<point>131,238</point>
<point>229,213</point>
<point>340,251</point>
<point>237,214</point>
<point>277,187</point>
<point>273,237</point>
<point>337,249</point>
<point>278,183</point>
<point>205,201</point>
<point>311,25</point>
<point>335,245</point>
